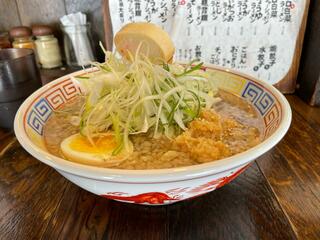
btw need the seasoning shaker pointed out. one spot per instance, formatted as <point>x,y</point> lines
<point>47,46</point>
<point>22,37</point>
<point>4,40</point>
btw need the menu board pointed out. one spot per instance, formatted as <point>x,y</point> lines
<point>257,37</point>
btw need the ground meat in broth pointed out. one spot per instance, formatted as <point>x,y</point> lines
<point>231,127</point>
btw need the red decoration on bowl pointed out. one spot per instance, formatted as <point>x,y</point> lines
<point>151,198</point>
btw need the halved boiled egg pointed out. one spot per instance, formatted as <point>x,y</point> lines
<point>79,149</point>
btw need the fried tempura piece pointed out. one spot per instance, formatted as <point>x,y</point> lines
<point>212,137</point>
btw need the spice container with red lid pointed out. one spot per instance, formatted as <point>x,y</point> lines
<point>47,46</point>
<point>22,37</point>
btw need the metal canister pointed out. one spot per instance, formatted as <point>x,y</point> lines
<point>19,77</point>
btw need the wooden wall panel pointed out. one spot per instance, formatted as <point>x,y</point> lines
<point>41,11</point>
<point>288,83</point>
<point>93,10</point>
<point>107,25</point>
<point>9,15</point>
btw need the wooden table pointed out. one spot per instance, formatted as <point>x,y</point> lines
<point>278,197</point>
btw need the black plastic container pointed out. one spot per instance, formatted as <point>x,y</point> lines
<point>19,77</point>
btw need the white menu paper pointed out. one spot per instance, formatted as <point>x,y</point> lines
<point>257,37</point>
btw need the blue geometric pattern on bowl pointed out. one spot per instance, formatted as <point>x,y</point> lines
<point>49,101</point>
<point>261,99</point>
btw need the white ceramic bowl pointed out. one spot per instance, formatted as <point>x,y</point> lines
<point>154,187</point>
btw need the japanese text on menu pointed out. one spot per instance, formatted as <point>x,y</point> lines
<point>265,31</point>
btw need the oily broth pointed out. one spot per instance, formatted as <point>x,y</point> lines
<point>243,112</point>
<point>151,153</point>
<point>58,126</point>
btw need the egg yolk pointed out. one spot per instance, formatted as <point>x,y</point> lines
<point>102,144</point>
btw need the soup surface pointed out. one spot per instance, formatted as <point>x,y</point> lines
<point>231,127</point>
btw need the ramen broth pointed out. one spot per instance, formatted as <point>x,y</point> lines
<point>233,126</point>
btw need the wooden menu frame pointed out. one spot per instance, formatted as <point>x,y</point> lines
<point>288,83</point>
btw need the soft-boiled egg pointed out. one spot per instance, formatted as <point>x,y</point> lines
<point>79,149</point>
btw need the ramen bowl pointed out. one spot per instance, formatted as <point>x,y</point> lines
<point>154,187</point>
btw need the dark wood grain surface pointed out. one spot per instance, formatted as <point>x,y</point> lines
<point>278,197</point>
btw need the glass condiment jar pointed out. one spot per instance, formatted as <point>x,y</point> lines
<point>47,47</point>
<point>78,44</point>
<point>4,40</point>
<point>22,37</point>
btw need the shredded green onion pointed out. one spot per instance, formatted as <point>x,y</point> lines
<point>132,97</point>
